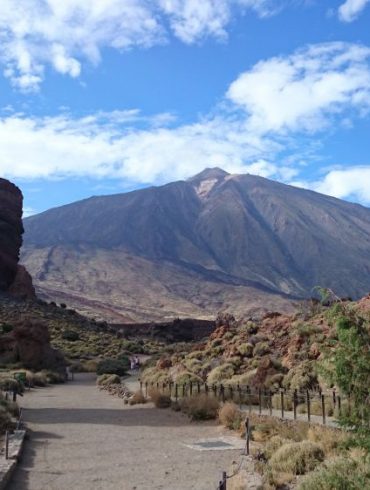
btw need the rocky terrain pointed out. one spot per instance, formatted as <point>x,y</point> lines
<point>276,351</point>
<point>236,243</point>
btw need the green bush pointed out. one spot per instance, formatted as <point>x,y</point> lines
<point>220,373</point>
<point>112,366</point>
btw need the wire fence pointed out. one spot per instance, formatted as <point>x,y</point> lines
<point>296,404</point>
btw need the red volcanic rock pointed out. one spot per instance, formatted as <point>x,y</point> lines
<point>13,278</point>
<point>11,230</point>
<point>164,363</point>
<point>29,344</point>
<point>22,286</point>
<point>219,333</point>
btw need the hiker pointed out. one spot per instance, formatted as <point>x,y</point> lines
<point>132,363</point>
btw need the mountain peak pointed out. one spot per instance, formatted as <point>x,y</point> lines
<point>205,181</point>
<point>208,174</point>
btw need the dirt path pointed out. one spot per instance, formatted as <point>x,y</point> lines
<point>84,439</point>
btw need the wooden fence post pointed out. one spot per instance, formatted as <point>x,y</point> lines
<point>198,386</point>
<point>282,403</point>
<point>183,390</point>
<point>247,434</point>
<point>176,392</point>
<point>222,389</point>
<point>7,445</point>
<point>240,394</point>
<point>295,404</point>
<point>206,389</point>
<point>191,388</point>
<point>323,409</point>
<point>339,405</point>
<point>334,398</point>
<point>308,406</point>
<point>260,400</point>
<point>270,402</point>
<point>231,391</point>
<point>146,388</point>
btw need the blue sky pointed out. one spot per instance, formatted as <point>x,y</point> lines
<point>107,96</point>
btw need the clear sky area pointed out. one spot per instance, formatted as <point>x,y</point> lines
<point>106,96</point>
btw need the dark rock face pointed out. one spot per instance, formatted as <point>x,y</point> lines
<point>13,277</point>
<point>11,230</point>
<point>29,344</point>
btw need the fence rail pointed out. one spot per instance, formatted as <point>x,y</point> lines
<point>308,402</point>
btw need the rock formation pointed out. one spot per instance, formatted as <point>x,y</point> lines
<point>13,277</point>
<point>28,343</point>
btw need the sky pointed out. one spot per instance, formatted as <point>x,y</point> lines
<point>107,96</point>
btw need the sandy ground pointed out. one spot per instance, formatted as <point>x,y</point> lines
<point>84,439</point>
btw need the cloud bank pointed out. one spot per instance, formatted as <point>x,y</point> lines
<point>265,111</point>
<point>35,34</point>
<point>351,9</point>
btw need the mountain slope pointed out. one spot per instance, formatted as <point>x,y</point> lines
<point>194,247</point>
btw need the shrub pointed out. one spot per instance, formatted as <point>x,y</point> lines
<point>243,379</point>
<point>108,379</point>
<point>297,457</point>
<point>39,379</point>
<point>246,350</point>
<point>200,407</point>
<point>273,444</point>
<point>6,328</point>
<point>230,416</point>
<point>53,377</point>
<point>185,377</point>
<point>70,335</point>
<point>220,373</point>
<point>5,420</point>
<point>111,366</point>
<point>159,399</point>
<point>137,398</point>
<point>338,474</point>
<point>301,377</point>
<point>261,349</point>
<point>10,384</point>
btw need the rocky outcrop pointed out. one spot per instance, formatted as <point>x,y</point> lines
<point>28,343</point>
<point>13,277</point>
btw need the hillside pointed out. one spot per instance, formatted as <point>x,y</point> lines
<point>238,243</point>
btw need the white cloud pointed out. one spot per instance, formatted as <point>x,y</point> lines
<point>35,34</point>
<point>303,91</point>
<point>250,136</point>
<point>353,182</point>
<point>351,9</point>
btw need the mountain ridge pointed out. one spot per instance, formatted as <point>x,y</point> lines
<point>228,229</point>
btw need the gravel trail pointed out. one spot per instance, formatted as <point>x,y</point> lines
<point>84,439</point>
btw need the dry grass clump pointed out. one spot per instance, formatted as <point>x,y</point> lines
<point>159,399</point>
<point>106,380</point>
<point>137,398</point>
<point>265,427</point>
<point>329,439</point>
<point>230,416</point>
<point>200,407</point>
<point>297,457</point>
<point>221,373</point>
<point>276,402</point>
